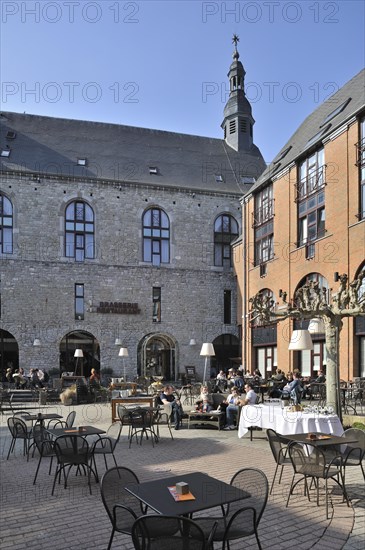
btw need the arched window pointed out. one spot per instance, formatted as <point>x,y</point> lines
<point>6,225</point>
<point>320,283</point>
<point>79,231</point>
<point>225,231</point>
<point>156,236</point>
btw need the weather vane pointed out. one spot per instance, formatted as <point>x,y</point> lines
<point>235,40</point>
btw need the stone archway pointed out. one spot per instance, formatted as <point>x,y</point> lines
<point>227,353</point>
<point>89,345</point>
<point>156,356</point>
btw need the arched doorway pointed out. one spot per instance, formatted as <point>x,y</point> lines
<point>91,353</point>
<point>227,353</point>
<point>156,356</point>
<point>9,353</point>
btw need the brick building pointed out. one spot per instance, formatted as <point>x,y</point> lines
<point>304,219</point>
<point>111,233</point>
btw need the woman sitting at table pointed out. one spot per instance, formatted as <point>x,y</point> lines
<point>293,389</point>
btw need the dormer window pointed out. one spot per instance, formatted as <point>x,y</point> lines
<point>10,135</point>
<point>153,170</point>
<point>5,153</point>
<point>82,161</point>
<point>219,178</point>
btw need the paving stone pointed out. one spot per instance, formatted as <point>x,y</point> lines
<point>73,518</point>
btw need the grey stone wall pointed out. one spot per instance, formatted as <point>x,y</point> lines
<point>37,281</point>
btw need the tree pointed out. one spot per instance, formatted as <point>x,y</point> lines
<point>311,301</point>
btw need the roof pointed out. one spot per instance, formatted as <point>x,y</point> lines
<point>45,145</point>
<point>331,115</point>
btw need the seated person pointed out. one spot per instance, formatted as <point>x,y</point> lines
<point>232,377</point>
<point>279,382</point>
<point>205,401</point>
<point>233,408</point>
<point>232,402</point>
<point>19,379</point>
<point>94,378</point>
<point>167,398</point>
<point>308,388</point>
<point>279,376</point>
<point>35,380</point>
<point>221,382</point>
<point>293,389</point>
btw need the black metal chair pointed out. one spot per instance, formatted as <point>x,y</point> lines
<point>123,414</point>
<point>280,453</point>
<point>159,532</point>
<point>311,462</point>
<point>68,423</point>
<point>241,518</point>
<point>44,444</point>
<point>19,430</point>
<point>122,507</point>
<point>352,454</point>
<point>142,424</point>
<point>72,450</point>
<point>105,444</point>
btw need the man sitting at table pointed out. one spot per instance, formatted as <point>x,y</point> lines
<point>168,398</point>
<point>233,408</point>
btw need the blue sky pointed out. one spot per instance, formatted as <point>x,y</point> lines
<point>164,64</point>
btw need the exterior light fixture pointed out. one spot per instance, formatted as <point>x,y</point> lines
<point>300,340</point>
<point>123,352</point>
<point>207,351</point>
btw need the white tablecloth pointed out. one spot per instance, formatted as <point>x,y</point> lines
<point>285,422</point>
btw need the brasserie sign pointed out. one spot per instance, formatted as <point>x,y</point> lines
<point>118,307</point>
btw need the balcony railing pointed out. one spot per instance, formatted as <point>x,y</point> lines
<point>312,183</point>
<point>263,214</point>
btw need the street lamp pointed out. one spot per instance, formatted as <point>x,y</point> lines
<point>123,352</point>
<point>207,351</point>
<point>79,353</point>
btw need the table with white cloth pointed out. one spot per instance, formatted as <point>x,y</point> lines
<point>285,422</point>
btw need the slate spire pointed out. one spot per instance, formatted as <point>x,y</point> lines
<point>238,120</point>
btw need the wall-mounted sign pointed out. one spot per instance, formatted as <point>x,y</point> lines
<point>118,307</point>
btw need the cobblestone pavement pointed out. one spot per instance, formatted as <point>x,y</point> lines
<point>32,519</point>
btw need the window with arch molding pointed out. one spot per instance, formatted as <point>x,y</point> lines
<point>225,231</point>
<point>156,236</point>
<point>79,231</point>
<point>6,225</point>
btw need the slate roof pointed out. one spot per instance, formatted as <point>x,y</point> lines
<point>46,145</point>
<point>318,125</point>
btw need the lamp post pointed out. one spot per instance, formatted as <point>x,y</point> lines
<point>207,351</point>
<point>123,352</point>
<point>79,353</point>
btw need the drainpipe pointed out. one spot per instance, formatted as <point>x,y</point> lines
<point>244,201</point>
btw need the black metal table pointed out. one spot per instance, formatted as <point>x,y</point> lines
<point>208,492</point>
<point>84,431</point>
<point>321,440</point>
<point>41,417</point>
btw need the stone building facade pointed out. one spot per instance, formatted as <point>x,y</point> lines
<point>304,220</point>
<point>114,235</point>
